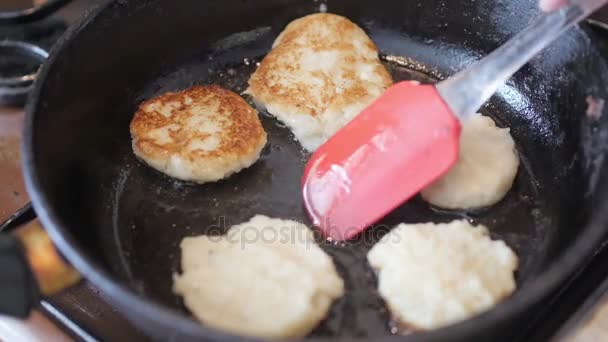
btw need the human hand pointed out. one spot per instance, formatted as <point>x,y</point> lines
<point>551,5</point>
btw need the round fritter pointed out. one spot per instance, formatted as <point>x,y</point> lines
<point>201,134</point>
<point>266,278</point>
<point>322,72</point>
<point>432,275</point>
<point>484,173</point>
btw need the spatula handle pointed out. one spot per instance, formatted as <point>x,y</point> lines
<point>468,90</point>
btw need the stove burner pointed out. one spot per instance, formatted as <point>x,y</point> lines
<point>19,64</point>
<point>23,39</point>
<point>19,11</point>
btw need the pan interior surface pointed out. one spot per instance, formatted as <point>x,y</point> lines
<point>151,213</point>
<point>133,218</point>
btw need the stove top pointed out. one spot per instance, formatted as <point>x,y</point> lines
<point>83,313</point>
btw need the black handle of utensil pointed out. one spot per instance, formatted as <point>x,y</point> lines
<point>32,14</point>
<point>30,266</point>
<point>18,289</point>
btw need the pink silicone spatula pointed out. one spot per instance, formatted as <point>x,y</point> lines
<point>409,137</point>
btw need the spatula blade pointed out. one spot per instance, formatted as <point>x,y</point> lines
<point>397,146</point>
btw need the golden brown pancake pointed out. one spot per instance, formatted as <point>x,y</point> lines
<point>201,134</point>
<point>322,72</point>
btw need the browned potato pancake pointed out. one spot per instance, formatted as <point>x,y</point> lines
<point>322,72</point>
<point>202,134</point>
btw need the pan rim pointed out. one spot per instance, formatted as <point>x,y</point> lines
<point>535,290</point>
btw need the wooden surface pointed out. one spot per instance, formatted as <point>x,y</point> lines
<point>12,188</point>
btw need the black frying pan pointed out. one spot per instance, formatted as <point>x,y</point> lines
<point>120,222</point>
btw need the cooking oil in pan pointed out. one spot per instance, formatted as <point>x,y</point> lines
<point>405,69</point>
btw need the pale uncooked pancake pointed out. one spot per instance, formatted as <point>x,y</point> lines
<point>322,72</point>
<point>201,134</point>
<point>266,278</point>
<point>435,275</point>
<point>485,170</point>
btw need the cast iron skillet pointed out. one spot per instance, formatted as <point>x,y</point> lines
<point>119,222</point>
